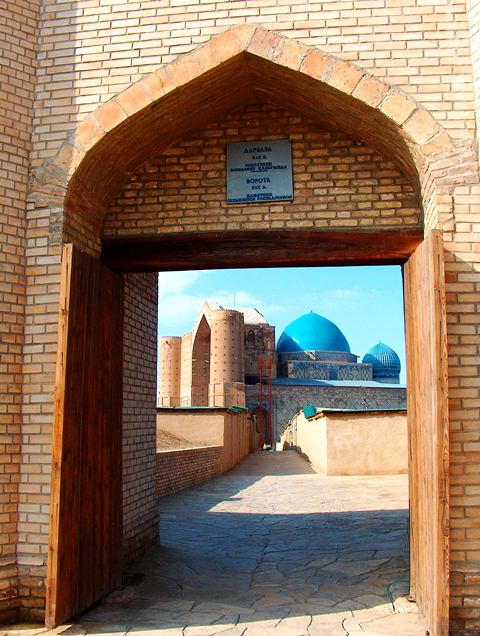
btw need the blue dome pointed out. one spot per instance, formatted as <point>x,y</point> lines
<point>312,332</point>
<point>384,360</point>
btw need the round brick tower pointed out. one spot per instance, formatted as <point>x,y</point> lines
<point>186,371</point>
<point>170,364</point>
<point>227,363</point>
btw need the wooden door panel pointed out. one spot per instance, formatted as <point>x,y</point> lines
<point>425,327</point>
<point>86,502</point>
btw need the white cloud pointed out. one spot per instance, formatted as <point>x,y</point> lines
<point>340,300</point>
<point>347,294</point>
<point>243,298</point>
<point>173,283</point>
<point>176,313</point>
<point>178,309</point>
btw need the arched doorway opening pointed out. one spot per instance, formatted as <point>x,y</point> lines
<point>201,363</point>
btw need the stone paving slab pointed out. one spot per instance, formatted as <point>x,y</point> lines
<point>270,549</point>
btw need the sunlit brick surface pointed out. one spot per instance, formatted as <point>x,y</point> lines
<point>411,95</point>
<point>339,183</point>
<point>18,30</point>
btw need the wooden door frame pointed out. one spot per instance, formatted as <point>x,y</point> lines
<point>260,248</point>
<point>280,248</point>
<point>428,457</point>
<point>256,249</point>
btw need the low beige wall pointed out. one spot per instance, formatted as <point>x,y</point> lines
<point>237,436</point>
<point>198,426</point>
<point>353,443</point>
<point>234,432</point>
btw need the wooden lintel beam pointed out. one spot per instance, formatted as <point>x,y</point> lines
<point>260,248</point>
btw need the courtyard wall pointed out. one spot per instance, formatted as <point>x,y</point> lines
<point>288,399</point>
<point>347,443</point>
<point>186,467</point>
<point>233,431</point>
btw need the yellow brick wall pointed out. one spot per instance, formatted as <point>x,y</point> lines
<point>462,268</point>
<point>474,19</point>
<point>140,518</point>
<point>41,320</point>
<point>89,51</point>
<point>18,24</point>
<point>338,183</point>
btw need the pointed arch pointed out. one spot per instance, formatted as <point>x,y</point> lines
<point>244,63</point>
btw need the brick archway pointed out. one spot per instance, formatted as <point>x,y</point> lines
<point>209,82</point>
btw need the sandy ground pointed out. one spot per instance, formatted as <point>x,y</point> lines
<point>167,441</point>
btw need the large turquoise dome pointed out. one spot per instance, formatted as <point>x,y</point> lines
<point>312,332</point>
<point>385,362</point>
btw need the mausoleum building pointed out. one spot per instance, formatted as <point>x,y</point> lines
<point>238,365</point>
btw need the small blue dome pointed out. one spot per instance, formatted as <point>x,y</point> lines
<point>384,361</point>
<point>312,332</point>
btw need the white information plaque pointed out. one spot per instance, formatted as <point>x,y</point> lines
<point>259,171</point>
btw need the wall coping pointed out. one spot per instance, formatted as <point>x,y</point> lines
<point>349,412</point>
<point>183,450</point>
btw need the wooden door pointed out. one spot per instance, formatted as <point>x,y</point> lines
<point>425,325</point>
<point>84,559</point>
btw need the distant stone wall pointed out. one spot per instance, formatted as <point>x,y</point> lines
<point>289,399</point>
<point>311,370</point>
<point>180,469</point>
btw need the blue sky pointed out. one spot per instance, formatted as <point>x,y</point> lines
<point>365,302</point>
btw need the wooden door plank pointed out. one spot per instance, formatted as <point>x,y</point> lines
<point>57,433</point>
<point>85,538</point>
<point>425,327</point>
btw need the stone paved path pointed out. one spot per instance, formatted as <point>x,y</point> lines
<point>271,549</point>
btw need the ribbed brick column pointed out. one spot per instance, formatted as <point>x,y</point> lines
<point>227,363</point>
<point>186,370</point>
<point>170,371</point>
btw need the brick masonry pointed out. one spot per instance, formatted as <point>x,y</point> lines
<point>91,52</point>
<point>180,469</point>
<point>339,183</point>
<point>417,55</point>
<point>140,520</point>
<point>288,400</point>
<point>18,41</point>
<point>473,7</point>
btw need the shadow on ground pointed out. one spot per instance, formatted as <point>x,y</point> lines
<point>271,548</point>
